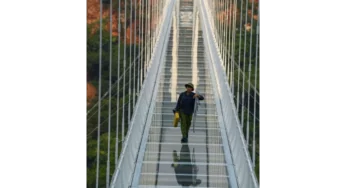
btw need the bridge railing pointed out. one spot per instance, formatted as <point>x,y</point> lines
<point>124,172</point>
<point>216,34</point>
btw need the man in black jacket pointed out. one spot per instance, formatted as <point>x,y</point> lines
<point>185,106</point>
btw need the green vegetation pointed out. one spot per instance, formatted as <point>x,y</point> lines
<point>244,74</point>
<point>246,64</point>
<point>120,109</point>
<point>127,99</point>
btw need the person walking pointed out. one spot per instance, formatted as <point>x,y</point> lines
<point>185,106</point>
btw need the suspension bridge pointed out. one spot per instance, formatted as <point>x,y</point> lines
<point>147,51</point>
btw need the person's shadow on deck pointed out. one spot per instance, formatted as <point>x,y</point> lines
<point>185,170</point>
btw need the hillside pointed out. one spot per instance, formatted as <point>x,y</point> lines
<point>121,47</point>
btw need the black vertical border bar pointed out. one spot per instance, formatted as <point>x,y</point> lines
<point>262,91</point>
<point>82,83</point>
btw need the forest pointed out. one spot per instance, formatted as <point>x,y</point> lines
<point>128,53</point>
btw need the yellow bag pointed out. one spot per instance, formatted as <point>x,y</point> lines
<point>176,119</point>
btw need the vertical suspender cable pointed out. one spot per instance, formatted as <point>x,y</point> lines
<point>254,119</point>
<point>142,44</point>
<point>227,36</point>
<point>130,71</point>
<point>124,83</point>
<point>110,91</point>
<point>118,83</point>
<point>240,27</point>
<point>244,63</point>
<point>234,21</point>
<point>99,101</point>
<point>135,59</point>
